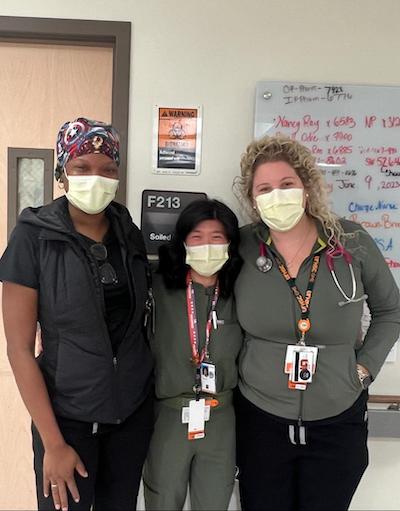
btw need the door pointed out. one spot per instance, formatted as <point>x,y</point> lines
<point>42,86</point>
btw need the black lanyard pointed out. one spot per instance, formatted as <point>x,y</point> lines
<point>304,324</point>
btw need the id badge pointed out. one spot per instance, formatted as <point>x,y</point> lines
<point>196,419</point>
<point>185,414</point>
<point>208,377</point>
<point>300,365</point>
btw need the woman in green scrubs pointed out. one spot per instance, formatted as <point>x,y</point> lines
<point>196,343</point>
<point>304,374</point>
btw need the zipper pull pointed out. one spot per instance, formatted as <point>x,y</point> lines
<point>150,311</point>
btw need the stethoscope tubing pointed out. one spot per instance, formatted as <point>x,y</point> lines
<point>339,251</point>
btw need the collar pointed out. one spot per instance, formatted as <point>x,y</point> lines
<point>262,232</point>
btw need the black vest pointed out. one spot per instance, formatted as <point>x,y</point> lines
<point>84,379</point>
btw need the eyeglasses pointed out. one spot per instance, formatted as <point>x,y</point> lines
<point>107,273</point>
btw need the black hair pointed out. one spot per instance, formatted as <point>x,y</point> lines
<point>172,256</point>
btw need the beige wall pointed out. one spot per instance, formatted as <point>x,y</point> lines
<point>211,52</point>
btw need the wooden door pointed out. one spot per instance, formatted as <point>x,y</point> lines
<point>41,87</point>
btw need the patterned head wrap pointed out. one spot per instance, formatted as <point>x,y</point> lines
<point>85,136</point>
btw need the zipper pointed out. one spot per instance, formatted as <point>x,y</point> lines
<point>101,321</point>
<point>149,313</point>
<point>301,428</point>
<point>300,417</point>
<point>122,246</point>
<point>294,308</point>
<point>115,366</point>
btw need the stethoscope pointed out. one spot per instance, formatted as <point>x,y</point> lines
<point>264,264</point>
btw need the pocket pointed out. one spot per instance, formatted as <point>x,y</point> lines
<point>261,367</point>
<point>335,386</point>
<point>81,374</point>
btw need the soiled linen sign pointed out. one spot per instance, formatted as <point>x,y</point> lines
<point>177,140</point>
<point>160,211</point>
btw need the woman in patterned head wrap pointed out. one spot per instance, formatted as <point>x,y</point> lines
<point>78,267</point>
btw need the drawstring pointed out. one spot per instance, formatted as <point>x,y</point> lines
<point>301,435</point>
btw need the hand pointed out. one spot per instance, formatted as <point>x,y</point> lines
<point>362,370</point>
<point>59,465</point>
<point>364,376</point>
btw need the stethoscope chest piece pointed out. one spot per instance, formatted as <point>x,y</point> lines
<point>263,263</point>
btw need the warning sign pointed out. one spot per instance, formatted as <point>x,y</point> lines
<point>177,140</point>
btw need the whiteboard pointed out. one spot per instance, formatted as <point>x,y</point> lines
<point>354,133</point>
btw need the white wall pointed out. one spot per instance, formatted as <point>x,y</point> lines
<point>211,52</point>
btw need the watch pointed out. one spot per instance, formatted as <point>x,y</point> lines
<point>364,376</point>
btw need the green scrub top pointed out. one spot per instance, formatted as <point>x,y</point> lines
<point>174,370</point>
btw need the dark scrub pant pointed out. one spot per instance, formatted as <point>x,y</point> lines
<point>317,469</point>
<point>207,465</point>
<point>113,458</point>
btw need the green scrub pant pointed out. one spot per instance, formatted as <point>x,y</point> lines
<point>207,465</point>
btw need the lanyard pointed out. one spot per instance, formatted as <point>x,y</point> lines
<point>304,324</point>
<point>197,358</point>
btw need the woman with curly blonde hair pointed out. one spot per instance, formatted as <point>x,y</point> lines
<point>301,404</point>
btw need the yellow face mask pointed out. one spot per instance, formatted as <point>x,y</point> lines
<point>280,209</point>
<point>207,260</point>
<point>91,194</point>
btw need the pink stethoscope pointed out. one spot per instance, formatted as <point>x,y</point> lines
<point>264,264</point>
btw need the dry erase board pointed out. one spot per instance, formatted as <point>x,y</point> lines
<point>354,133</point>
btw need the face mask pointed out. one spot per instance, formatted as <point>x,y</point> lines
<point>91,194</point>
<point>206,260</point>
<point>280,209</point>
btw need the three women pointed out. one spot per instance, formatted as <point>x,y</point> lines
<point>79,267</point>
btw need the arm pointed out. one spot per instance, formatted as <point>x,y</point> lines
<point>384,304</point>
<point>20,305</point>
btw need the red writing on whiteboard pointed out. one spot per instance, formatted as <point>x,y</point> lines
<point>309,137</point>
<point>370,121</point>
<point>392,263</point>
<point>344,121</point>
<point>393,121</point>
<point>341,149</point>
<point>335,160</point>
<point>377,150</point>
<point>385,222</point>
<point>316,150</point>
<point>341,136</point>
<point>307,122</point>
<point>283,122</point>
<point>389,185</point>
<point>383,161</point>
<point>368,180</point>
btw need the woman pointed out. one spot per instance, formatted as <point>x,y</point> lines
<point>78,267</point>
<point>196,342</point>
<point>301,409</point>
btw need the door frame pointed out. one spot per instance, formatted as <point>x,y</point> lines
<point>116,34</point>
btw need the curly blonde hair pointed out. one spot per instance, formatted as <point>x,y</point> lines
<point>300,158</point>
